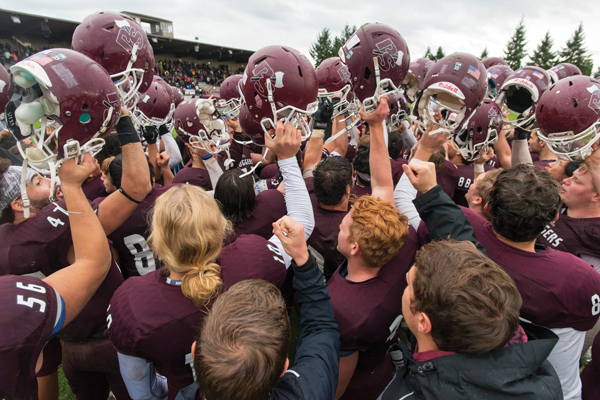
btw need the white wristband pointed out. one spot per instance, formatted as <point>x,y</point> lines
<point>479,168</point>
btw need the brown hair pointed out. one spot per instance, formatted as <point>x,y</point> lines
<point>242,345</point>
<point>473,305</point>
<point>523,200</point>
<point>187,233</point>
<point>484,188</point>
<point>378,228</point>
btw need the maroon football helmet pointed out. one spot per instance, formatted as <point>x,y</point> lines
<point>214,124</point>
<point>493,61</point>
<point>4,88</point>
<point>279,83</point>
<point>251,126</point>
<point>121,46</point>
<point>416,73</point>
<point>563,70</point>
<point>569,112</point>
<point>188,125</point>
<point>231,100</point>
<point>398,111</point>
<point>455,85</point>
<point>480,131</point>
<point>73,90</point>
<point>334,83</point>
<point>519,95</point>
<point>155,106</point>
<point>497,75</point>
<point>378,59</point>
<point>177,95</point>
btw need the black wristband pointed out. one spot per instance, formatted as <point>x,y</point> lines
<point>307,266</point>
<point>163,130</point>
<point>521,134</point>
<point>128,196</point>
<point>126,132</point>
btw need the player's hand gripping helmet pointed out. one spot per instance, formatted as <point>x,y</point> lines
<point>563,70</point>
<point>455,85</point>
<point>231,100</point>
<point>398,111</point>
<point>493,61</point>
<point>121,46</point>
<point>279,83</point>
<point>156,106</point>
<point>519,95</point>
<point>378,59</point>
<point>334,83</point>
<point>481,130</point>
<point>5,92</point>
<point>69,88</point>
<point>569,112</point>
<point>417,71</point>
<point>497,75</point>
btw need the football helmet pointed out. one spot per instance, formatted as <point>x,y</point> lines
<point>492,61</point>
<point>279,83</point>
<point>187,124</point>
<point>121,46</point>
<point>398,111</point>
<point>230,101</point>
<point>497,75</point>
<point>69,88</point>
<point>563,70</point>
<point>156,106</point>
<point>416,72</point>
<point>378,59</point>
<point>481,130</point>
<point>251,126</point>
<point>455,85</point>
<point>519,95</point>
<point>569,111</point>
<point>4,88</point>
<point>178,96</point>
<point>334,83</point>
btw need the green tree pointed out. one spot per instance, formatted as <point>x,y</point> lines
<point>515,48</point>
<point>597,74</point>
<point>484,54</point>
<point>429,54</point>
<point>341,40</point>
<point>439,54</point>
<point>576,53</point>
<point>322,48</point>
<point>543,56</point>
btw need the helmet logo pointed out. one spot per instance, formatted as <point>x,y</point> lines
<point>387,54</point>
<point>595,99</point>
<point>344,73</point>
<point>262,71</point>
<point>457,66</point>
<point>59,57</point>
<point>129,36</point>
<point>278,79</point>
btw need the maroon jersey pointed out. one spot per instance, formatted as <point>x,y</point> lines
<point>269,171</point>
<point>129,239</point>
<point>240,153</point>
<point>558,289</point>
<point>94,189</point>
<point>543,164</point>
<point>324,237</point>
<point>193,176</point>
<point>41,243</point>
<point>405,152</point>
<point>493,162</point>
<point>578,236</point>
<point>269,207</point>
<point>466,176</point>
<point>152,319</point>
<point>590,377</point>
<point>350,153</point>
<point>397,170</point>
<point>367,314</point>
<point>448,178</point>
<point>252,257</point>
<point>360,191</point>
<point>28,311</point>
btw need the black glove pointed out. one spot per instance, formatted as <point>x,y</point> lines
<point>521,134</point>
<point>150,134</point>
<point>163,130</point>
<point>322,117</point>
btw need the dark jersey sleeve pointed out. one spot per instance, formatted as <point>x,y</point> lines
<point>270,206</point>
<point>94,189</point>
<point>448,177</point>
<point>194,176</point>
<point>578,236</point>
<point>28,313</point>
<point>269,171</point>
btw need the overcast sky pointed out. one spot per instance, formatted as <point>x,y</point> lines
<point>457,25</point>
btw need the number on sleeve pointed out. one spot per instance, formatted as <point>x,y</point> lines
<point>144,259</point>
<point>55,222</point>
<point>275,250</point>
<point>595,305</point>
<point>32,287</point>
<point>30,302</point>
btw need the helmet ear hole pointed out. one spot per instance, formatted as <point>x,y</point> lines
<point>574,102</point>
<point>85,107</point>
<point>479,130</point>
<point>570,83</point>
<point>300,71</point>
<point>367,73</point>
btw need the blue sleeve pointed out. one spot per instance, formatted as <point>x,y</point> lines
<point>141,379</point>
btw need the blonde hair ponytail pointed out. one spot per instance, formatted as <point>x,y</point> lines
<point>187,233</point>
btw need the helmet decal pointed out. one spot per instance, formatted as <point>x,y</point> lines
<point>388,54</point>
<point>595,99</point>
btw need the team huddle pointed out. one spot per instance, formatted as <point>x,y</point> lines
<point>435,225</point>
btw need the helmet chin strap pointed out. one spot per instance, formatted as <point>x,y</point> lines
<point>251,171</point>
<point>370,103</point>
<point>349,126</point>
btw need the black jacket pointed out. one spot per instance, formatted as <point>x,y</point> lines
<point>315,371</point>
<point>520,371</point>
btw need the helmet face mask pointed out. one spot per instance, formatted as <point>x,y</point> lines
<point>230,102</point>
<point>480,131</point>
<point>156,106</point>
<point>398,112</point>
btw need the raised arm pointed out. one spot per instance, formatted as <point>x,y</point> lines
<point>135,181</point>
<point>78,282</point>
<point>520,148</point>
<point>171,147</point>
